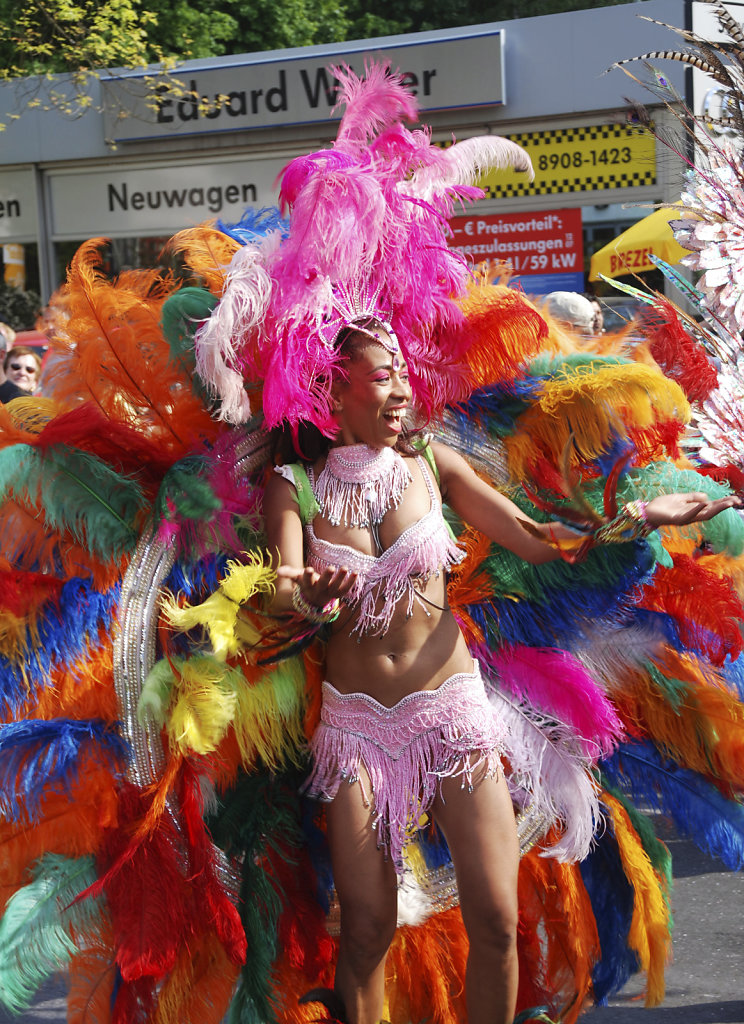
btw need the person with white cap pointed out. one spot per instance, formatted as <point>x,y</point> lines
<point>572,310</point>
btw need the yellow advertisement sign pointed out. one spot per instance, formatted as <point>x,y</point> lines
<point>594,157</point>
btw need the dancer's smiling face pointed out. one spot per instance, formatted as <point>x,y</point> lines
<point>372,393</point>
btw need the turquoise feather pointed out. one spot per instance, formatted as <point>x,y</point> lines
<point>43,926</point>
<point>724,533</point>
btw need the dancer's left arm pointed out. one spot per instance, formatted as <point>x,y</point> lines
<point>500,519</point>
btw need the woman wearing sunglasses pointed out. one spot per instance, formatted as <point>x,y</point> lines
<point>23,366</point>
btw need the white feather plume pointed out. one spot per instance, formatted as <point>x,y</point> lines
<point>464,163</point>
<point>549,771</point>
<point>607,652</point>
<point>221,338</point>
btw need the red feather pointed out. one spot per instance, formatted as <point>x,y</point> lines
<point>705,607</point>
<point>678,354</point>
<point>147,892</point>
<point>208,893</point>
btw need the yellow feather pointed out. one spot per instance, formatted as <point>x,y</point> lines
<point>270,716</point>
<point>203,704</point>
<point>593,405</point>
<point>218,614</point>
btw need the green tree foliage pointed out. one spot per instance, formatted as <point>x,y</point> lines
<point>389,17</point>
<point>211,28</point>
<point>77,39</point>
<point>65,44</point>
<point>78,36</point>
<point>18,308</point>
<point>57,36</point>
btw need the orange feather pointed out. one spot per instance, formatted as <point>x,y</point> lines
<point>108,348</point>
<point>91,976</point>
<point>206,254</point>
<point>426,971</point>
<point>554,902</point>
<point>703,729</point>
<point>503,331</point>
<point>468,584</point>
<point>72,825</point>
<point>82,690</point>
<point>289,983</point>
<point>29,544</point>
<point>200,985</point>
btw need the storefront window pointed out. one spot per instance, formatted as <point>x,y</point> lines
<point>119,254</point>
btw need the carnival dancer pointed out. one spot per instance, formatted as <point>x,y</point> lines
<point>157,721</point>
<point>406,729</point>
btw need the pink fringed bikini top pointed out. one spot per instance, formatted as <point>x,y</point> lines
<point>424,549</point>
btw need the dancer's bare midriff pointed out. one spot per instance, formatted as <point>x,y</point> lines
<point>417,652</point>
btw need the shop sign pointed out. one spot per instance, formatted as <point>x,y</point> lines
<point>585,159</point>
<point>128,202</point>
<point>462,71</point>
<point>18,218</point>
<point>544,250</point>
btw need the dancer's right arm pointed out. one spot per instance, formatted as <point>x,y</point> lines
<point>286,546</point>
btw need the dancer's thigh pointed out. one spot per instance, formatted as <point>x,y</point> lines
<point>481,832</point>
<point>365,879</point>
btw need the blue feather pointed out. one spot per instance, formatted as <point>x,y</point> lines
<point>39,757</point>
<point>255,225</point>
<point>611,896</point>
<point>696,297</point>
<point>618,449</point>
<point>317,849</point>
<point>557,614</point>
<point>197,578</point>
<point>733,673</point>
<point>700,811</point>
<point>66,630</point>
<point>433,848</point>
<point>497,406</point>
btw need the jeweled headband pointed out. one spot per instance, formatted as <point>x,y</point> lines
<point>360,308</point>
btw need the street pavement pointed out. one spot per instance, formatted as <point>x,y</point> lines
<point>705,981</point>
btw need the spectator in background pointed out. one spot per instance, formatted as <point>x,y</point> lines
<point>598,315</point>
<point>572,310</point>
<point>8,390</point>
<point>22,366</point>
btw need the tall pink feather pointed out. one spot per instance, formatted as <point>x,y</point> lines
<point>372,103</point>
<point>553,681</point>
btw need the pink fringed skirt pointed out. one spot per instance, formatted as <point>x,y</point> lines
<point>406,750</point>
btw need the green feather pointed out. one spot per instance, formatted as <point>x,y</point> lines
<point>76,493</point>
<point>260,811</point>
<point>675,690</point>
<point>42,926</point>
<point>156,692</point>
<point>629,289</point>
<point>183,314</point>
<point>560,365</point>
<point>724,533</point>
<point>186,489</point>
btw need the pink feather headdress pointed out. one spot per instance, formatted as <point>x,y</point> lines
<point>367,217</point>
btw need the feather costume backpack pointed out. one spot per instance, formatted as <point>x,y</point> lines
<point>154,843</point>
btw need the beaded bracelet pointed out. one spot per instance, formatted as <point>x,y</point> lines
<point>328,613</point>
<point>630,523</point>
